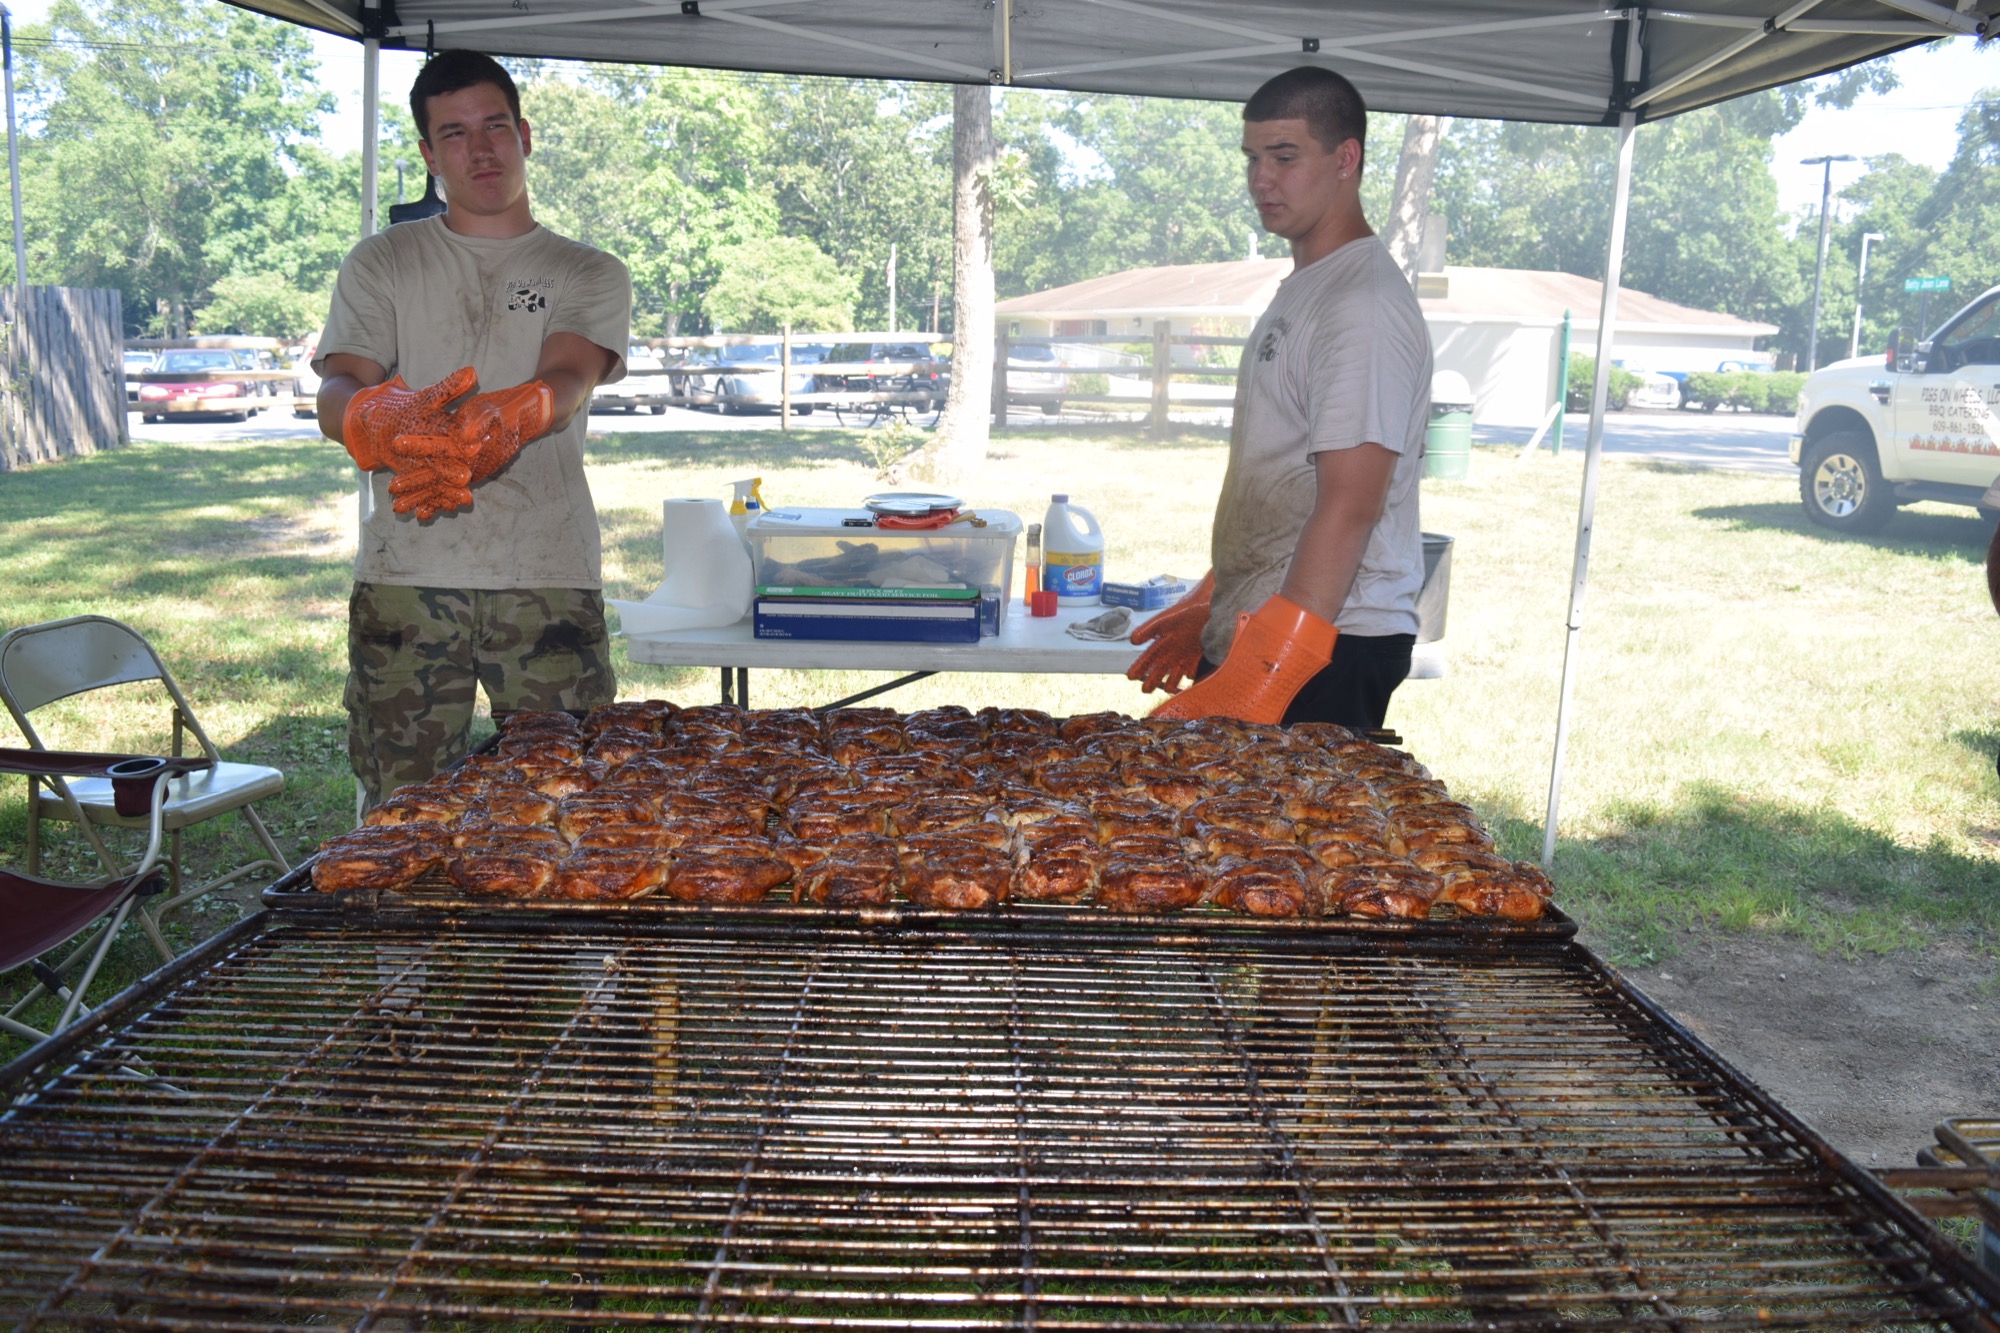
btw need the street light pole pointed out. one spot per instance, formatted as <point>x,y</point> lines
<point>1819,269</point>
<point>1861,276</point>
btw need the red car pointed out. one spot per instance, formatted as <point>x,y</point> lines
<point>229,399</point>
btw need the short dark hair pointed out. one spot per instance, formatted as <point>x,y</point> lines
<point>1330,106</point>
<point>454,72</point>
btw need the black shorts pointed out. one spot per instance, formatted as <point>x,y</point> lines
<point>1353,689</point>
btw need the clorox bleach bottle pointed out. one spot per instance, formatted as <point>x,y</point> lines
<point>1072,554</point>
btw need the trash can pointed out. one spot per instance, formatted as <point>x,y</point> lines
<point>1427,658</point>
<point>1448,439</point>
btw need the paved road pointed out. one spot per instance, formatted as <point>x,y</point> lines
<point>1733,441</point>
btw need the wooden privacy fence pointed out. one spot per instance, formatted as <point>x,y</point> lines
<point>62,379</point>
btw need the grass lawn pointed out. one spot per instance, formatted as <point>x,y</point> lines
<point>1776,729</point>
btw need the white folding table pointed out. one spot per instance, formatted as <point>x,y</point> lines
<point>1024,644</point>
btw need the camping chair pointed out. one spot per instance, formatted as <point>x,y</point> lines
<point>38,916</point>
<point>40,664</point>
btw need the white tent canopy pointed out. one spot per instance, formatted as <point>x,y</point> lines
<point>1552,60</point>
<point>1570,61</point>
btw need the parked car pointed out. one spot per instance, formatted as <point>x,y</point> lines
<point>1028,383</point>
<point>231,399</point>
<point>1876,432</point>
<point>933,382</point>
<point>636,392</point>
<point>759,391</point>
<point>305,385</point>
<point>261,359</point>
<point>699,386</point>
<point>1654,389</point>
<point>137,362</point>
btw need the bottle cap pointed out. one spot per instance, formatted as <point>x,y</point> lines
<point>1059,499</point>
<point>1042,602</point>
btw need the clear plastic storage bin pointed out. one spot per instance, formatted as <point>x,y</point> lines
<point>841,548</point>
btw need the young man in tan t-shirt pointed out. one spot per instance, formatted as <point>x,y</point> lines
<point>457,365</point>
<point>1309,613</point>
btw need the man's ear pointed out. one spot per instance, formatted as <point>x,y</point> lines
<point>424,149</point>
<point>1348,155</point>
<point>527,136</point>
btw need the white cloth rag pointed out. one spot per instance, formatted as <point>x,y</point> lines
<point>1113,624</point>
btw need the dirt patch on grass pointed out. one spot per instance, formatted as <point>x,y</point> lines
<point>1871,1053</point>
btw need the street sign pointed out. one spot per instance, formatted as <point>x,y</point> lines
<point>1939,284</point>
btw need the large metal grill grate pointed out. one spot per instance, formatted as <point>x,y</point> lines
<point>579,1129</point>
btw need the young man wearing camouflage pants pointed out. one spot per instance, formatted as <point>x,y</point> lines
<point>457,366</point>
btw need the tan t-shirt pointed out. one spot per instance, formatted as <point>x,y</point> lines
<point>420,300</point>
<point>1340,358</point>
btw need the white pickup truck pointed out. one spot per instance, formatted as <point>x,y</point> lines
<point>1876,432</point>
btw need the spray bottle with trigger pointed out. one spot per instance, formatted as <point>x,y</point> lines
<point>748,502</point>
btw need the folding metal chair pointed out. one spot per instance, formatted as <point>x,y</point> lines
<point>39,916</point>
<point>41,664</point>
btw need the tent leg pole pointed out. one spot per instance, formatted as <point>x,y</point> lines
<point>1592,455</point>
<point>371,135</point>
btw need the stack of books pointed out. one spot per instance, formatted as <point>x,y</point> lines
<point>938,614</point>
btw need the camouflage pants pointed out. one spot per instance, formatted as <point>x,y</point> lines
<point>417,656</point>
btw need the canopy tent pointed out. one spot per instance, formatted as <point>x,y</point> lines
<point>1569,61</point>
<point>1553,60</point>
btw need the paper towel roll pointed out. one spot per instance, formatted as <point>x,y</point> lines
<point>707,581</point>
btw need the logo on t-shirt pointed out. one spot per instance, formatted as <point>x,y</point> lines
<point>530,294</point>
<point>1268,349</point>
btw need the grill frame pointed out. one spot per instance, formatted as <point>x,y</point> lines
<point>1434,954</point>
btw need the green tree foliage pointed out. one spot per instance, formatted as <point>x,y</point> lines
<point>261,304</point>
<point>1955,232</point>
<point>664,168</point>
<point>161,132</point>
<point>765,284</point>
<point>857,166</point>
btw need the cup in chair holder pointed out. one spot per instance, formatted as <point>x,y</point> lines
<point>132,784</point>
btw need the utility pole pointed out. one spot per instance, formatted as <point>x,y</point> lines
<point>1861,276</point>
<point>892,286</point>
<point>1819,269</point>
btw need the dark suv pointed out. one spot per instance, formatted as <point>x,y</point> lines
<point>933,381</point>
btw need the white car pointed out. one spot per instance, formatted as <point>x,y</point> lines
<point>1655,389</point>
<point>759,391</point>
<point>636,391</point>
<point>1876,432</point>
<point>1029,383</point>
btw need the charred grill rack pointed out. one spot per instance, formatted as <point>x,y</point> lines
<point>436,893</point>
<point>435,1122</point>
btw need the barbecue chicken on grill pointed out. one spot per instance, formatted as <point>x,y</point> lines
<point>948,809</point>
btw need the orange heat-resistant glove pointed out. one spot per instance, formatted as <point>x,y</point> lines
<point>1176,637</point>
<point>1278,648</point>
<point>434,486</point>
<point>376,415</point>
<point>494,426</point>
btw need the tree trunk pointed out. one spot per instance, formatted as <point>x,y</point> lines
<point>1415,170</point>
<point>958,449</point>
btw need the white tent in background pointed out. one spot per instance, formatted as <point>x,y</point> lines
<point>1569,61</point>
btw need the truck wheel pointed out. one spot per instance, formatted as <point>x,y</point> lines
<point>1841,484</point>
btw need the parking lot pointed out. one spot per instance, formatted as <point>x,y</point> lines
<point>1737,442</point>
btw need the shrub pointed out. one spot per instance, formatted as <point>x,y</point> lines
<point>1748,389</point>
<point>1707,387</point>
<point>1583,377</point>
<point>1782,391</point>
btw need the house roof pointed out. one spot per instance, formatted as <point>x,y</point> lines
<point>1489,293</point>
<point>1241,289</point>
